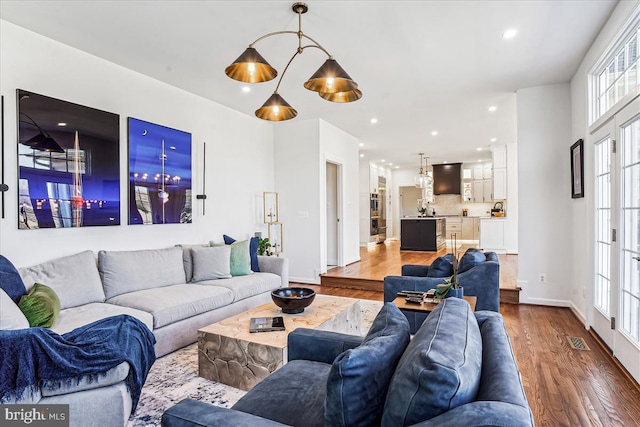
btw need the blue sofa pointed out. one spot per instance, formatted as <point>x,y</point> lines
<point>478,274</point>
<point>457,370</point>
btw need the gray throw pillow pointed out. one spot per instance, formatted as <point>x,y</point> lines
<point>211,263</point>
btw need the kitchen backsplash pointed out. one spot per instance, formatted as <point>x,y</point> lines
<point>452,204</point>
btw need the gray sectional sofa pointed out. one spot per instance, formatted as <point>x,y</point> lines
<point>155,286</point>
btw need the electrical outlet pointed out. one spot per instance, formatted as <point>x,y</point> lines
<point>542,278</point>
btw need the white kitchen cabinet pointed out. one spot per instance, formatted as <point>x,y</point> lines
<point>477,171</point>
<point>492,234</point>
<point>478,191</point>
<point>373,179</point>
<point>467,172</point>
<point>454,226</point>
<point>467,228</point>
<point>499,156</point>
<point>476,228</point>
<point>500,184</point>
<point>487,170</point>
<point>487,190</point>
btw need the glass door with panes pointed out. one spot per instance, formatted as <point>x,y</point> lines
<point>615,312</point>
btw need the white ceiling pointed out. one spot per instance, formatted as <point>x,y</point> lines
<point>422,65</point>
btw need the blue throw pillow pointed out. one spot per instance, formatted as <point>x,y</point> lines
<point>441,267</point>
<point>359,377</point>
<point>253,250</point>
<point>439,370</point>
<point>10,280</point>
<point>470,259</point>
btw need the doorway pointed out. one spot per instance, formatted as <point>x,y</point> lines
<point>333,213</point>
<point>615,302</point>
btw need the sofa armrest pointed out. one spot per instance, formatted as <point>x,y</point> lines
<point>415,270</point>
<point>483,413</point>
<point>193,413</point>
<point>319,346</point>
<point>275,265</point>
<point>87,382</point>
<point>483,282</point>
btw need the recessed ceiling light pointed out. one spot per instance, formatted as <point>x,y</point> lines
<point>480,161</point>
<point>397,167</point>
<point>246,89</point>
<point>434,133</point>
<point>361,155</point>
<point>493,108</point>
<point>493,139</point>
<point>374,121</point>
<point>509,34</point>
<point>445,162</point>
<point>361,144</point>
<point>390,164</point>
<point>62,124</point>
<point>479,148</point>
<point>383,160</point>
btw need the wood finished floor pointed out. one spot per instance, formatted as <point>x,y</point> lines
<point>565,387</point>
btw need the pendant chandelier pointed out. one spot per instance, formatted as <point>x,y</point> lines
<point>330,81</point>
<point>422,179</point>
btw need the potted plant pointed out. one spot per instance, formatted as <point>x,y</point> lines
<point>451,288</point>
<point>264,247</point>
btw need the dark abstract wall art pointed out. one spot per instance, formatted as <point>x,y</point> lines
<point>68,161</point>
<point>159,174</point>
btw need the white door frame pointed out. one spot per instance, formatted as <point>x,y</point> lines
<point>339,209</point>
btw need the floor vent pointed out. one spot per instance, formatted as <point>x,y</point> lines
<point>578,344</point>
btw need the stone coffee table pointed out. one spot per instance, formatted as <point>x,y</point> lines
<point>228,353</point>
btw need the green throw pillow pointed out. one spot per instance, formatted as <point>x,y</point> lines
<point>40,306</point>
<point>240,258</point>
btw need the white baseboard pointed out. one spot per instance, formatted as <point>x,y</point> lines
<point>351,261</point>
<point>308,280</point>
<point>545,301</point>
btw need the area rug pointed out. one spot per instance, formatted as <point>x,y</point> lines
<point>175,377</point>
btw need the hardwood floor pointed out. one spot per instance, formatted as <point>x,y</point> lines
<point>387,259</point>
<point>564,386</point>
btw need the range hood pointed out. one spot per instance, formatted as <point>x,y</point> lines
<point>446,178</point>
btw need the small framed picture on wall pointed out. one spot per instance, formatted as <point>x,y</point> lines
<point>577,169</point>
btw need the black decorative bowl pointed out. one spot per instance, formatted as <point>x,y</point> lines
<point>293,300</point>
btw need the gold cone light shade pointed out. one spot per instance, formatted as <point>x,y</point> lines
<point>350,96</point>
<point>276,109</point>
<point>330,78</point>
<point>251,67</point>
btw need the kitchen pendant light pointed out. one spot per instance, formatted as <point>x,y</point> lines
<point>331,81</point>
<point>423,179</point>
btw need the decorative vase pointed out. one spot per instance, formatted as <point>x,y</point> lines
<point>456,293</point>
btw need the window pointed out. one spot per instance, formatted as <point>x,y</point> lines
<point>617,73</point>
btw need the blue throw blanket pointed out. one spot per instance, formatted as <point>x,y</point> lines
<point>36,357</point>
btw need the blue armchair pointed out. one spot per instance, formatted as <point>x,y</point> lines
<point>478,274</point>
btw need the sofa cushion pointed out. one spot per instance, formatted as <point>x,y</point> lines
<point>240,259</point>
<point>253,250</point>
<point>10,280</point>
<point>211,263</point>
<point>74,317</point>
<point>440,369</point>
<point>359,377</point>
<point>293,395</point>
<point>40,306</point>
<point>173,303</point>
<point>470,259</point>
<point>441,266</point>
<point>75,278</point>
<point>187,260</point>
<point>247,286</point>
<point>11,317</point>
<point>130,271</point>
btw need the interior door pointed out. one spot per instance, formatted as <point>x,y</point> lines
<point>616,297</point>
<point>332,214</point>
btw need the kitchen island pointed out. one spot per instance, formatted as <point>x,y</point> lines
<point>422,234</point>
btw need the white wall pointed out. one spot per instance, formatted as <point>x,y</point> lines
<point>581,210</point>
<point>239,149</point>
<point>544,194</point>
<point>302,149</point>
<point>511,204</point>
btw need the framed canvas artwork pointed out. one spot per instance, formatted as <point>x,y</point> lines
<point>577,169</point>
<point>159,174</point>
<point>68,161</point>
